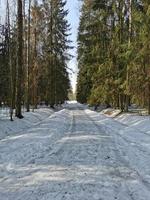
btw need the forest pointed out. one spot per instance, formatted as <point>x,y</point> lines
<point>114,53</point>
<point>61,142</point>
<point>34,48</point>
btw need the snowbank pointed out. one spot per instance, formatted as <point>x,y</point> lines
<point>30,119</point>
<point>110,112</point>
<point>132,120</point>
<point>135,121</point>
<point>132,135</point>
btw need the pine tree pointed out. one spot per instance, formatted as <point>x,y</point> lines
<point>56,46</point>
<point>85,45</point>
<point>35,69</point>
<point>113,53</point>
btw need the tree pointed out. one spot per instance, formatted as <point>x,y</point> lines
<point>28,59</point>
<point>19,60</point>
<point>36,69</point>
<point>56,46</point>
<point>113,46</point>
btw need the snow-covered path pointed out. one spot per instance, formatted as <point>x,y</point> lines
<point>74,155</point>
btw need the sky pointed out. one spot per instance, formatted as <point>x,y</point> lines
<point>2,10</point>
<point>73,18</point>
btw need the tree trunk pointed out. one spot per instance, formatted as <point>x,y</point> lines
<point>19,61</point>
<point>10,63</point>
<point>28,60</point>
<point>52,98</point>
<point>121,102</point>
<point>35,70</point>
<point>129,44</point>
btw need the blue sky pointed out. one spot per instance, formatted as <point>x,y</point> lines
<point>73,18</point>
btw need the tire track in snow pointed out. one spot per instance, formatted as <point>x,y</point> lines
<point>85,164</point>
<point>100,148</point>
<point>122,158</point>
<point>117,157</point>
<point>58,147</point>
<point>127,162</point>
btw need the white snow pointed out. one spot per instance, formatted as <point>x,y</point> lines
<point>30,119</point>
<point>110,112</point>
<point>77,154</point>
<point>134,120</point>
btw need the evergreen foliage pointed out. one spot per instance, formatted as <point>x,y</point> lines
<point>113,53</point>
<point>34,55</point>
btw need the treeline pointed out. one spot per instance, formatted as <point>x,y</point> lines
<point>114,53</point>
<point>34,54</point>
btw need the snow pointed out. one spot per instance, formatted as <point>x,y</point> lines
<point>110,112</point>
<point>77,154</point>
<point>134,120</point>
<point>30,119</point>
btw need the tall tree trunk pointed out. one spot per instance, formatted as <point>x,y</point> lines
<point>10,63</point>
<point>28,60</point>
<point>129,44</point>
<point>52,98</point>
<point>35,70</point>
<point>121,27</point>
<point>19,61</point>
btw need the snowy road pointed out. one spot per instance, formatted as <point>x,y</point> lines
<point>75,154</point>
